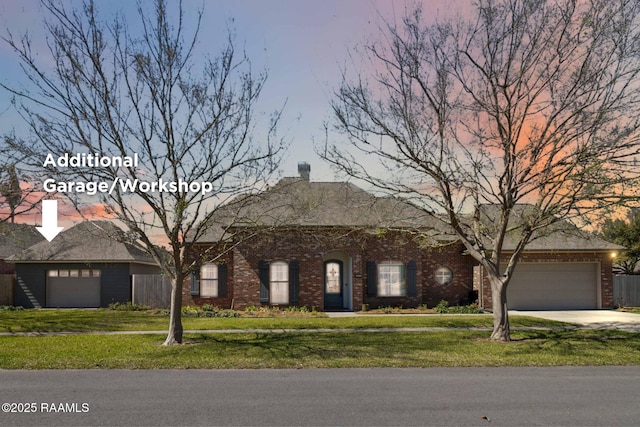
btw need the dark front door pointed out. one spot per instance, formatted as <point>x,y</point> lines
<point>333,285</point>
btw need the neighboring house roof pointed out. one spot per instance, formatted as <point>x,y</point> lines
<point>89,241</point>
<point>14,238</point>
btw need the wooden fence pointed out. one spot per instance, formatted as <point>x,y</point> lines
<point>153,290</point>
<point>6,289</point>
<point>626,291</point>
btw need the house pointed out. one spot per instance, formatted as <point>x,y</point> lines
<point>334,246</point>
<point>14,238</point>
<point>87,265</point>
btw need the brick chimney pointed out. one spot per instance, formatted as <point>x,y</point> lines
<point>304,170</point>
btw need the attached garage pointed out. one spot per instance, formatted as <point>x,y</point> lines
<point>554,286</point>
<point>73,288</point>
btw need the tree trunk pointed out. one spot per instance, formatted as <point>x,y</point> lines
<point>175,316</point>
<point>501,331</point>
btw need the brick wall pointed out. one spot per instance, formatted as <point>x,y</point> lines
<point>458,292</point>
<point>312,247</point>
<point>309,248</point>
<point>223,302</point>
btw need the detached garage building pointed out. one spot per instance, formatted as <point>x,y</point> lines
<point>87,265</point>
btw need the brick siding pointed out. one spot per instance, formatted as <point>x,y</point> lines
<point>313,246</point>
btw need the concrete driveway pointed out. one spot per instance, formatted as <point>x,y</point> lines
<point>596,319</point>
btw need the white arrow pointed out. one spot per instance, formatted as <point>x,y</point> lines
<point>49,227</point>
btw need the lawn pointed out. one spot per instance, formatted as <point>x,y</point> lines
<point>300,349</point>
<point>635,310</point>
<point>71,320</point>
<point>322,350</point>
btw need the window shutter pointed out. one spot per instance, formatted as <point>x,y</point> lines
<point>195,284</point>
<point>372,279</point>
<point>294,282</point>
<point>412,288</point>
<point>263,273</point>
<point>222,280</point>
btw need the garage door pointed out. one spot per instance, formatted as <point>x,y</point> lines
<point>556,286</point>
<point>72,290</point>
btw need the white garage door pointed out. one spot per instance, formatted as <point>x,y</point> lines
<point>73,290</point>
<point>554,286</point>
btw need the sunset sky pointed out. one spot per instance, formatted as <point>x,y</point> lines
<point>304,45</point>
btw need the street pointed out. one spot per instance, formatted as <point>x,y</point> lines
<point>442,396</point>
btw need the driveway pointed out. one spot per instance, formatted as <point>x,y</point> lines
<point>596,319</point>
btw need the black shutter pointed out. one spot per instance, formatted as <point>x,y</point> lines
<point>372,279</point>
<point>412,288</point>
<point>294,282</point>
<point>195,284</point>
<point>263,273</point>
<point>222,280</point>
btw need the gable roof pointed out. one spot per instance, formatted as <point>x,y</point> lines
<point>14,238</point>
<point>88,241</point>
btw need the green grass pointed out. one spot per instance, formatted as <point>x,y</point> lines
<point>322,350</point>
<point>635,310</point>
<point>301,349</point>
<point>108,320</point>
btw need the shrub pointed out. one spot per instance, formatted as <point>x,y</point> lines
<point>442,307</point>
<point>207,310</point>
<point>11,308</point>
<point>293,309</point>
<point>128,306</point>
<point>208,307</point>
<point>465,309</point>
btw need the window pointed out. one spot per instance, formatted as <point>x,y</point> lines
<point>209,280</point>
<point>73,273</point>
<point>332,278</point>
<point>392,279</point>
<point>443,276</point>
<point>279,283</point>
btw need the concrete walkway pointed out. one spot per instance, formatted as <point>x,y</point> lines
<point>587,319</point>
<point>592,319</point>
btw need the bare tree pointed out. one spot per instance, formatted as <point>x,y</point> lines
<point>15,199</point>
<point>119,91</point>
<point>527,103</point>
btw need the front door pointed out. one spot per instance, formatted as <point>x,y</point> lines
<point>333,273</point>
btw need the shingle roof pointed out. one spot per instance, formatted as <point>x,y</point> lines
<point>296,202</point>
<point>89,241</point>
<point>561,236</point>
<point>15,238</point>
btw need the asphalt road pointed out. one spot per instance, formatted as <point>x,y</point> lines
<point>582,396</point>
